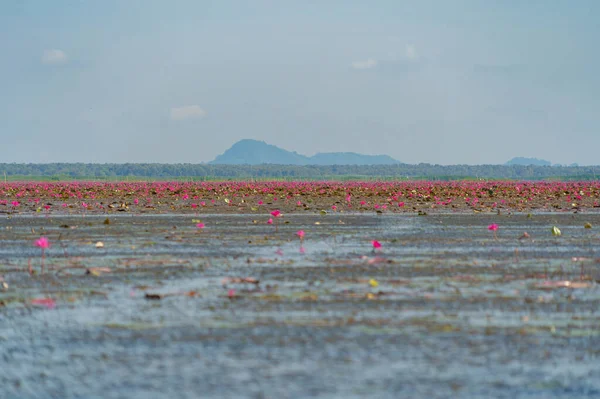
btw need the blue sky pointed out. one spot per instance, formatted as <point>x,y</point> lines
<point>446,82</point>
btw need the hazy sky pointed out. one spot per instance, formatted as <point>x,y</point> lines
<point>447,81</point>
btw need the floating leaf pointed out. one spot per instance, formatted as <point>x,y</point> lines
<point>373,283</point>
<point>587,225</point>
<point>97,271</point>
<point>556,231</point>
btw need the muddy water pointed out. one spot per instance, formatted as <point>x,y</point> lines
<point>444,309</point>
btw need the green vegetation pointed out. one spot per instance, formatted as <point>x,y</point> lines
<point>205,172</point>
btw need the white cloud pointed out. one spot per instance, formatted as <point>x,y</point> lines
<point>54,57</point>
<point>370,63</point>
<point>187,112</point>
<point>411,52</point>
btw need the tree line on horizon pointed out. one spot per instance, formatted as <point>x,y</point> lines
<point>66,171</point>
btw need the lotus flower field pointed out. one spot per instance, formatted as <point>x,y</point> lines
<point>235,197</point>
<point>300,289</point>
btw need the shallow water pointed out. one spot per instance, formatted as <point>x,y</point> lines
<point>456,313</point>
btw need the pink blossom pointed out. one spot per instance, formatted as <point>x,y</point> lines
<point>376,244</point>
<point>276,213</point>
<point>493,227</point>
<point>42,242</point>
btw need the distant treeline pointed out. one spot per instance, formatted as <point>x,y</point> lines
<point>69,171</point>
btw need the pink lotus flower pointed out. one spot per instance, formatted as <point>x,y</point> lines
<point>194,206</point>
<point>299,203</point>
<point>203,203</point>
<point>400,204</point>
<point>333,207</point>
<point>276,213</point>
<point>270,221</point>
<point>15,203</point>
<point>363,203</point>
<point>260,202</point>
<point>300,233</point>
<point>136,201</point>
<point>42,242</point>
<point>493,227</point>
<point>200,225</point>
<point>376,244</point>
<point>231,293</point>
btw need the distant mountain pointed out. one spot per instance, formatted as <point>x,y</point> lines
<point>254,152</point>
<point>528,161</point>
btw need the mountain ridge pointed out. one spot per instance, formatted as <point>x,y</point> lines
<point>525,161</point>
<point>255,152</point>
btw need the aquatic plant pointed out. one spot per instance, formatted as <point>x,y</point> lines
<point>44,244</point>
<point>406,196</point>
<point>493,228</point>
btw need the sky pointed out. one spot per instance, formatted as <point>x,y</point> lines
<point>443,82</point>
